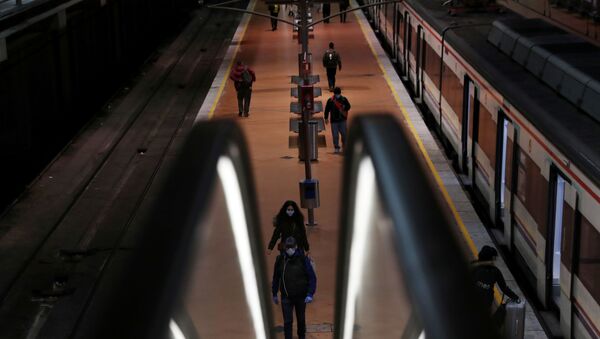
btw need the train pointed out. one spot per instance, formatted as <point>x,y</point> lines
<point>516,103</point>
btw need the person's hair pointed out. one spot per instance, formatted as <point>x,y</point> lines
<point>487,253</point>
<point>331,45</point>
<point>239,62</point>
<point>298,217</point>
<point>337,90</point>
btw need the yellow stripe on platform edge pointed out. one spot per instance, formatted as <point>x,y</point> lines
<point>438,179</point>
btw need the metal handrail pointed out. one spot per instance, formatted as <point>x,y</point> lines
<point>432,264</point>
<point>147,293</point>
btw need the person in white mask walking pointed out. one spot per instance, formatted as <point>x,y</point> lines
<point>295,279</point>
<point>289,222</point>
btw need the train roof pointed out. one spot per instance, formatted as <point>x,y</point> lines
<point>572,130</point>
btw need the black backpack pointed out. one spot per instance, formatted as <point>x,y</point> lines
<point>246,78</point>
<point>330,59</point>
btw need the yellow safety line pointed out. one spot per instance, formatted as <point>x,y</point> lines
<point>430,164</point>
<point>226,76</point>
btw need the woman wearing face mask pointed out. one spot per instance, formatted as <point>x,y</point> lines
<point>289,222</point>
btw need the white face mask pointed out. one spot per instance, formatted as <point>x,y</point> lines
<point>289,213</point>
<point>337,96</point>
<point>290,251</point>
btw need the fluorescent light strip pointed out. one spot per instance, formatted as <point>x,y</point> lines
<point>363,211</point>
<point>175,330</point>
<point>239,225</point>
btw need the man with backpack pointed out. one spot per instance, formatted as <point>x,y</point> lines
<point>274,11</point>
<point>295,278</point>
<point>331,61</point>
<point>338,106</point>
<point>243,77</point>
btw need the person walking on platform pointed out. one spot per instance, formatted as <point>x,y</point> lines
<point>243,77</point>
<point>274,10</point>
<point>331,61</point>
<point>343,6</point>
<point>295,279</point>
<point>326,11</point>
<point>289,222</point>
<point>338,106</point>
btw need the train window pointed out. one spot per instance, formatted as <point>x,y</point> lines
<point>559,198</point>
<point>432,65</point>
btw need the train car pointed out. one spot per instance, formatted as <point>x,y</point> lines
<point>517,103</point>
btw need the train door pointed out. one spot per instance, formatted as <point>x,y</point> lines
<point>504,159</point>
<point>563,202</point>
<point>377,18</point>
<point>407,42</point>
<point>401,37</point>
<point>397,23</point>
<point>470,121</point>
<point>385,21</point>
<point>420,57</point>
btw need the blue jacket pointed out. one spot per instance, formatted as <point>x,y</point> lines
<point>294,276</point>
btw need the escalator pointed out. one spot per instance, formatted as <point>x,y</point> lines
<point>199,269</point>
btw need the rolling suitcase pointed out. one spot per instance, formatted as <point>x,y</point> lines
<point>514,321</point>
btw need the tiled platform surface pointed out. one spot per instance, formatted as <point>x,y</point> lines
<point>366,78</point>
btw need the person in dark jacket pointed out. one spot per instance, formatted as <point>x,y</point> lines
<point>332,61</point>
<point>486,275</point>
<point>243,77</point>
<point>326,11</point>
<point>295,279</point>
<point>289,222</point>
<point>274,11</point>
<point>338,106</point>
<point>343,6</point>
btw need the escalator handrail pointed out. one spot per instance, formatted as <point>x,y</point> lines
<point>146,296</point>
<point>431,262</point>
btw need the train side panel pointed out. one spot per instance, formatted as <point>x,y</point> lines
<point>520,176</point>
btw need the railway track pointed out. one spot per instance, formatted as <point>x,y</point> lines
<point>65,237</point>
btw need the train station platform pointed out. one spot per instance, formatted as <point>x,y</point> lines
<point>370,83</point>
<point>112,176</point>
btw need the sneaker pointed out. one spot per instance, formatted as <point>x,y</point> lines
<point>246,114</point>
<point>240,114</point>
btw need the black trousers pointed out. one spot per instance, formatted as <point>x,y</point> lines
<point>326,12</point>
<point>243,96</point>
<point>273,21</point>
<point>287,306</point>
<point>343,15</point>
<point>331,76</point>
